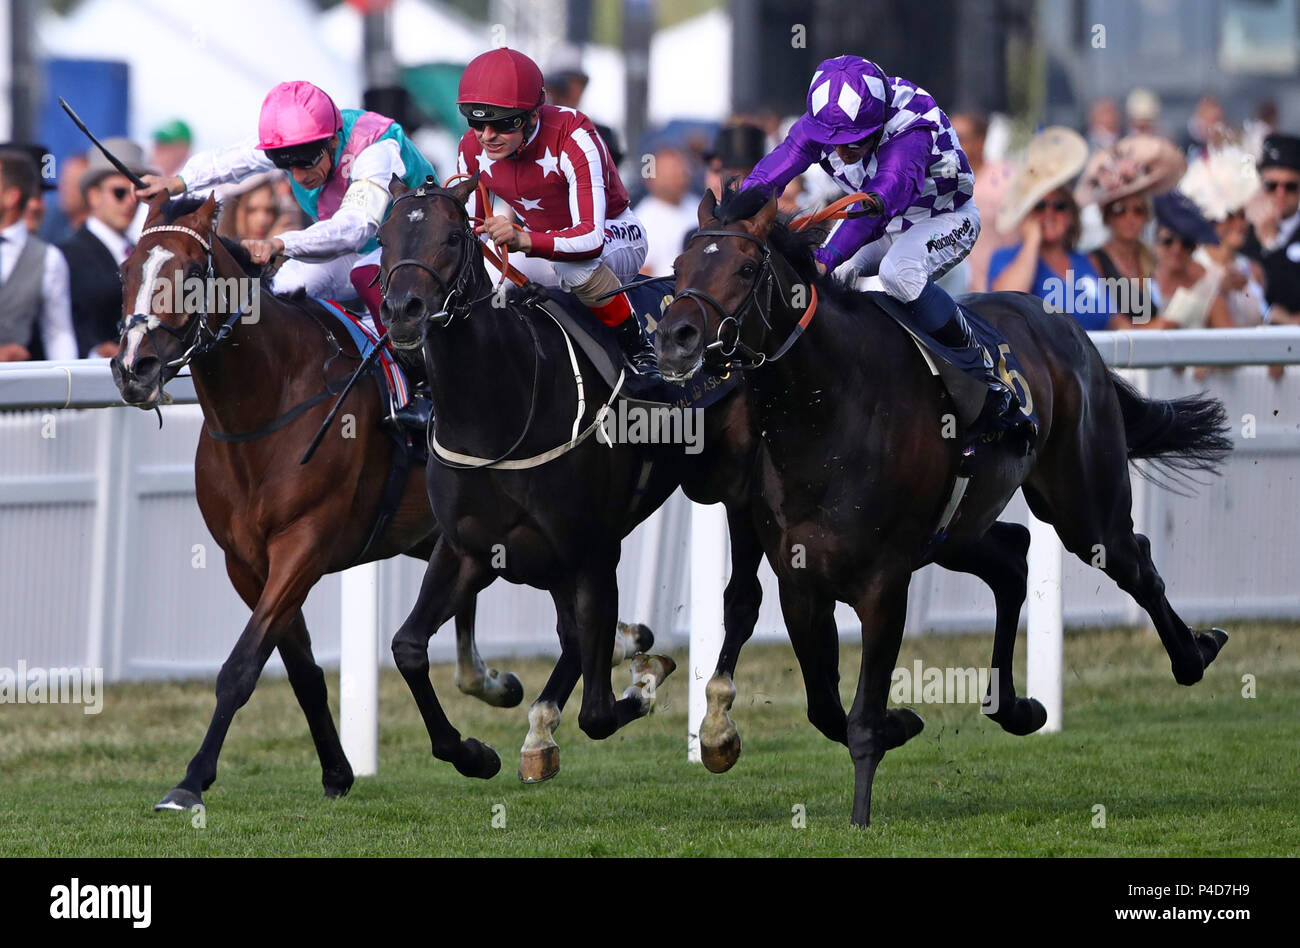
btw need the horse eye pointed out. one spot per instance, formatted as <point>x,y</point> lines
<point>453,237</point>
<point>747,270</point>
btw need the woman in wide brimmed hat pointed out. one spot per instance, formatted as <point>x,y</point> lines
<point>1040,203</point>
<point>1185,293</point>
<point>1121,181</point>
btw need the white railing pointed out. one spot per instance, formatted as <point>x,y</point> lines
<point>126,461</point>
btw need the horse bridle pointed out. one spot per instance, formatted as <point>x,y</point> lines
<point>456,301</point>
<point>196,337</point>
<point>733,321</point>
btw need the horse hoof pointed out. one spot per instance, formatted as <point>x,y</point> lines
<point>721,753</point>
<point>477,760</point>
<point>631,638</point>
<point>904,724</point>
<point>179,799</point>
<point>337,784</point>
<point>541,764</point>
<point>504,689</point>
<point>1025,716</point>
<point>1211,643</point>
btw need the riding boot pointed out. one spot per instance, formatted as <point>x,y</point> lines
<point>632,339</point>
<point>1001,416</point>
<point>418,409</point>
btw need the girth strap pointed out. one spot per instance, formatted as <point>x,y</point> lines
<point>243,437</point>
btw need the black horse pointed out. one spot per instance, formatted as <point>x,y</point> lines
<point>523,488</point>
<point>855,473</point>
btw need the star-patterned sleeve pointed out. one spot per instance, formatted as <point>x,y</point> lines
<point>582,161</point>
<point>465,164</point>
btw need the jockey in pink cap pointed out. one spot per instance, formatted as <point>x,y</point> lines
<point>340,162</point>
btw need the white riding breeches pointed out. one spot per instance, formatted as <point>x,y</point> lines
<point>927,250</point>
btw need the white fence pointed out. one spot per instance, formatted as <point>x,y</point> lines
<point>105,560</point>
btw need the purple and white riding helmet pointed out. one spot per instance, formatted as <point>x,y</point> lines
<point>847,100</point>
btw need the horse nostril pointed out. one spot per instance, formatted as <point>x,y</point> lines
<point>144,369</point>
<point>686,337</point>
<point>413,308</point>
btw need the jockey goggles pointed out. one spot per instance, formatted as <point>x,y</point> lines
<point>299,156</point>
<point>480,116</point>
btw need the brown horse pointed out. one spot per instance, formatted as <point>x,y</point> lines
<point>855,474</point>
<point>264,387</point>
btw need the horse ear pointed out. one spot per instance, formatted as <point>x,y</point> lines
<point>708,207</point>
<point>463,190</point>
<point>206,212</point>
<point>760,225</point>
<point>156,207</point>
<point>397,187</point>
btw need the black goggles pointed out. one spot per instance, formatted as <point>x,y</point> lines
<point>303,157</point>
<point>504,126</point>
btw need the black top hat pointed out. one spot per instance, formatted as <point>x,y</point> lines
<point>1180,214</point>
<point>38,153</point>
<point>739,146</point>
<point>1280,151</point>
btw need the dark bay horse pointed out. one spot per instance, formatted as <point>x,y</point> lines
<point>282,526</point>
<point>854,473</point>
<point>503,385</point>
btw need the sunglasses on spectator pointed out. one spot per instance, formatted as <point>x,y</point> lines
<point>504,126</point>
<point>286,160</point>
<point>1134,207</point>
<point>1168,240</point>
<point>120,193</point>
<point>1290,187</point>
<point>1058,206</point>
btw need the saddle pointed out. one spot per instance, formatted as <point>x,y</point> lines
<point>599,344</point>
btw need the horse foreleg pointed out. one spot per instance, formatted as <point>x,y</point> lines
<point>308,681</point>
<point>450,582</point>
<point>294,568</point>
<point>816,643</point>
<point>473,677</point>
<point>719,737</point>
<point>873,729</point>
<point>998,558</point>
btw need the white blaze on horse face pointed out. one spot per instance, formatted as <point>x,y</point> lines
<point>711,248</point>
<point>415,215</point>
<point>152,265</point>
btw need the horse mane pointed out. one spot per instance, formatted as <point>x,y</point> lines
<point>797,247</point>
<point>179,207</point>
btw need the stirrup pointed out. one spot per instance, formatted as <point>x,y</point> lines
<point>415,414</point>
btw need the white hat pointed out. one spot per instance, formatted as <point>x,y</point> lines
<point>1221,182</point>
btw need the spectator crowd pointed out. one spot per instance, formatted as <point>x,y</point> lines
<point>1119,226</point>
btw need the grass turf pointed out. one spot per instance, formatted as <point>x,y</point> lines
<point>1180,771</point>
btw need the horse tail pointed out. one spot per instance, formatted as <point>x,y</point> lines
<point>1180,435</point>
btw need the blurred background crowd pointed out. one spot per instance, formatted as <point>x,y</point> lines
<point>1143,145</point>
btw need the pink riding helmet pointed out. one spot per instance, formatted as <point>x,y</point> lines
<point>294,113</point>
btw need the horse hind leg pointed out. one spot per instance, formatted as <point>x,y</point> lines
<point>473,676</point>
<point>1089,502</point>
<point>999,559</point>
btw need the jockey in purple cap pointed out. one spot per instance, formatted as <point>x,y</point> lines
<point>886,137</point>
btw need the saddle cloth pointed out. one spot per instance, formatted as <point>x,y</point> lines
<point>968,394</point>
<point>391,378</point>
